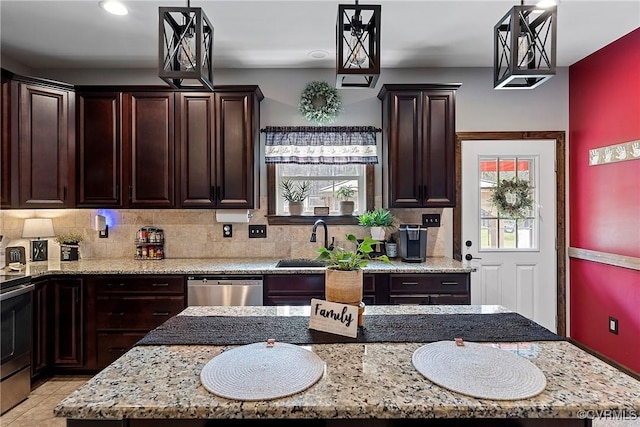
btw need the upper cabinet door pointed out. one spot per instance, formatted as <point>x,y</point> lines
<point>5,148</point>
<point>195,129</point>
<point>439,131</point>
<point>402,121</point>
<point>99,149</point>
<point>236,148</point>
<point>46,147</point>
<point>149,131</point>
<point>419,145</point>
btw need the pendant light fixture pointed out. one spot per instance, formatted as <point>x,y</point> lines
<point>525,47</point>
<point>358,46</point>
<point>185,57</point>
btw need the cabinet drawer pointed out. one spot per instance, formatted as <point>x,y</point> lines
<point>428,283</point>
<point>139,284</point>
<point>409,299</point>
<point>136,312</point>
<point>111,346</point>
<point>292,299</point>
<point>307,284</point>
<point>458,299</point>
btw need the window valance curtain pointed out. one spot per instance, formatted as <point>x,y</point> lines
<point>328,145</point>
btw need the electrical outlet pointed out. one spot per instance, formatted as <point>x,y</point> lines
<point>258,231</point>
<point>431,220</point>
<point>613,325</point>
<point>227,230</point>
<point>104,234</point>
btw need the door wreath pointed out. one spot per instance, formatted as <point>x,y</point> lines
<point>320,102</point>
<point>512,198</point>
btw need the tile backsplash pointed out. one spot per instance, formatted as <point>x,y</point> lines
<point>194,233</point>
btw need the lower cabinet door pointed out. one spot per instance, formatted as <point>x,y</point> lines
<point>113,345</point>
<point>68,315</point>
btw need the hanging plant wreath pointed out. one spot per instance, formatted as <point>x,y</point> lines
<point>512,198</point>
<point>320,102</point>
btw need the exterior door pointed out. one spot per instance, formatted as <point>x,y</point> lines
<point>515,258</point>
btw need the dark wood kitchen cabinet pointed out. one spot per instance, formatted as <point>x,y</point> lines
<point>99,149</point>
<point>219,150</point>
<point>298,289</point>
<point>418,123</point>
<point>148,141</point>
<point>127,307</point>
<point>46,145</point>
<point>5,147</point>
<point>68,313</point>
<point>40,329</point>
<point>435,289</point>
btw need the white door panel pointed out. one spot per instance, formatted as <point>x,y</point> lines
<point>515,259</point>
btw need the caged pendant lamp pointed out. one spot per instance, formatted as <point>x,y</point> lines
<point>525,47</point>
<point>185,40</point>
<point>358,46</point>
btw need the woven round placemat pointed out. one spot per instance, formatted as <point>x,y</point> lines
<point>479,370</point>
<point>260,372</point>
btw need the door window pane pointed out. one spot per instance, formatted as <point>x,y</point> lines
<point>498,232</point>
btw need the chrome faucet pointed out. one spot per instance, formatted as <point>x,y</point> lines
<point>326,234</point>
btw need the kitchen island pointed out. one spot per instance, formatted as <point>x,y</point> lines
<point>364,384</point>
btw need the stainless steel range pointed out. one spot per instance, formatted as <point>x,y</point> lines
<point>15,305</point>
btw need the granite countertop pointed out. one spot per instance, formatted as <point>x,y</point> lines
<point>226,266</point>
<point>361,381</point>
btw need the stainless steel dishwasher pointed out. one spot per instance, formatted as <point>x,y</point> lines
<point>224,290</point>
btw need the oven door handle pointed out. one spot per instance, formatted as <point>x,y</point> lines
<point>11,294</point>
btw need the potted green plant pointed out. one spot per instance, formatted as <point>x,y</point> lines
<point>345,193</point>
<point>295,193</point>
<point>378,220</point>
<point>343,277</point>
<point>69,246</point>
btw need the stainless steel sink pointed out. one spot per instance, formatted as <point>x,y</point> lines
<point>292,263</point>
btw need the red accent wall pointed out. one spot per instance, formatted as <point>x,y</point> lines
<point>604,203</point>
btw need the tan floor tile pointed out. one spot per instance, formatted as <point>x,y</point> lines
<point>69,387</point>
<point>4,422</point>
<point>49,387</point>
<point>31,402</point>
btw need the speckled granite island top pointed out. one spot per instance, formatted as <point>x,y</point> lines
<point>361,381</point>
<point>227,266</point>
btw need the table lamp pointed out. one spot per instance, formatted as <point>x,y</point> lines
<point>38,227</point>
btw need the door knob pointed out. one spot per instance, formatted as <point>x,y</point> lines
<point>468,243</point>
<point>469,257</point>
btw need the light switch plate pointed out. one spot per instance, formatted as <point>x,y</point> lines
<point>431,220</point>
<point>613,325</point>
<point>227,230</point>
<point>257,231</point>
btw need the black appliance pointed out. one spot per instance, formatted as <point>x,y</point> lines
<point>15,341</point>
<point>413,243</point>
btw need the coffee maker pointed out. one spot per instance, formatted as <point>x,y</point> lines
<point>413,243</point>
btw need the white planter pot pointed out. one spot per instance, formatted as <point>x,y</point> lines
<point>346,207</point>
<point>378,233</point>
<point>295,208</point>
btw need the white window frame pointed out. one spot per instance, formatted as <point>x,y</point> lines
<point>361,179</point>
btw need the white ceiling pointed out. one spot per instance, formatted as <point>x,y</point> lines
<point>274,34</point>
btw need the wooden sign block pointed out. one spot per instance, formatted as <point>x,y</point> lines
<point>335,318</point>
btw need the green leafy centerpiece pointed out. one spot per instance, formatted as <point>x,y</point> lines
<point>345,193</point>
<point>344,275</point>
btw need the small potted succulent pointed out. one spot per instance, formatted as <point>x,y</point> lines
<point>345,193</point>
<point>378,220</point>
<point>69,246</point>
<point>295,193</point>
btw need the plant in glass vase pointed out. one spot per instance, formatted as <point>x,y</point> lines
<point>345,193</point>
<point>377,220</point>
<point>295,193</point>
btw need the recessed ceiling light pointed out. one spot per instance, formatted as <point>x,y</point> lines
<point>114,7</point>
<point>545,4</point>
<point>318,54</point>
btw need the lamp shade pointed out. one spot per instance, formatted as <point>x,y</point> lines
<point>38,227</point>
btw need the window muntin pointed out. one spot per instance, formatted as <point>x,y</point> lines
<point>497,232</point>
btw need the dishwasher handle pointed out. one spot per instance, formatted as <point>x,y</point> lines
<point>213,278</point>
